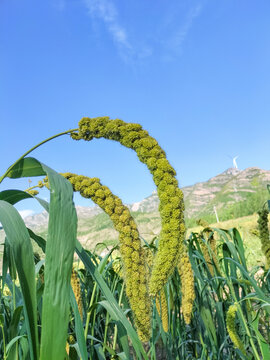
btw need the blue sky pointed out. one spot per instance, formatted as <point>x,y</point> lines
<point>195,74</point>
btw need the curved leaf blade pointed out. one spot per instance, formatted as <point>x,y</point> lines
<point>13,196</point>
<point>60,248</point>
<point>26,167</point>
<point>20,244</point>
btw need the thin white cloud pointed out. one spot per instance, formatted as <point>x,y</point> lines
<point>192,15</point>
<point>25,213</point>
<point>138,50</point>
<point>106,11</point>
<point>175,42</point>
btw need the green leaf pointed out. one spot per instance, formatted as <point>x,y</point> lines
<point>12,342</point>
<point>210,326</point>
<point>38,239</point>
<point>27,167</point>
<point>123,339</point>
<point>264,346</point>
<point>21,247</point>
<point>5,264</point>
<point>59,254</point>
<point>11,261</point>
<point>122,356</point>
<point>78,327</point>
<point>12,331</point>
<point>60,248</point>
<point>100,352</point>
<point>236,237</point>
<point>24,345</point>
<point>13,196</point>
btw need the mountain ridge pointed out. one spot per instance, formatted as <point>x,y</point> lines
<point>226,189</point>
<point>200,194</point>
<point>232,182</point>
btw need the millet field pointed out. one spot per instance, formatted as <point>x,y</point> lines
<point>177,297</point>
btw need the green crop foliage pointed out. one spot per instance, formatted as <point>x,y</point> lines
<point>173,298</point>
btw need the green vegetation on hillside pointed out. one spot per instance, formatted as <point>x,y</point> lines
<point>252,203</point>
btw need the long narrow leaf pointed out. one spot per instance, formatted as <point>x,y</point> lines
<point>60,248</point>
<point>21,246</point>
<point>27,167</point>
<point>78,327</point>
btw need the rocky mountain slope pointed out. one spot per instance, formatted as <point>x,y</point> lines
<point>230,187</point>
<point>226,188</point>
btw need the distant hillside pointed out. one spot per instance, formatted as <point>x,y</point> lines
<point>234,193</point>
<point>227,188</point>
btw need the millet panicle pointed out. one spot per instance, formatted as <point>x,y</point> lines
<point>231,327</point>
<point>171,197</point>
<point>130,247</point>
<point>187,282</point>
<point>264,233</point>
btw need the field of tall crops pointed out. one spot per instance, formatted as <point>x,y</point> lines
<point>177,297</point>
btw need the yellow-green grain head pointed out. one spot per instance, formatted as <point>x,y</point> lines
<point>187,282</point>
<point>264,233</point>
<point>132,253</point>
<point>231,327</point>
<point>76,287</point>
<point>171,197</point>
<point>209,249</point>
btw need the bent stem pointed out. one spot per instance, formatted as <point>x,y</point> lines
<point>33,148</point>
